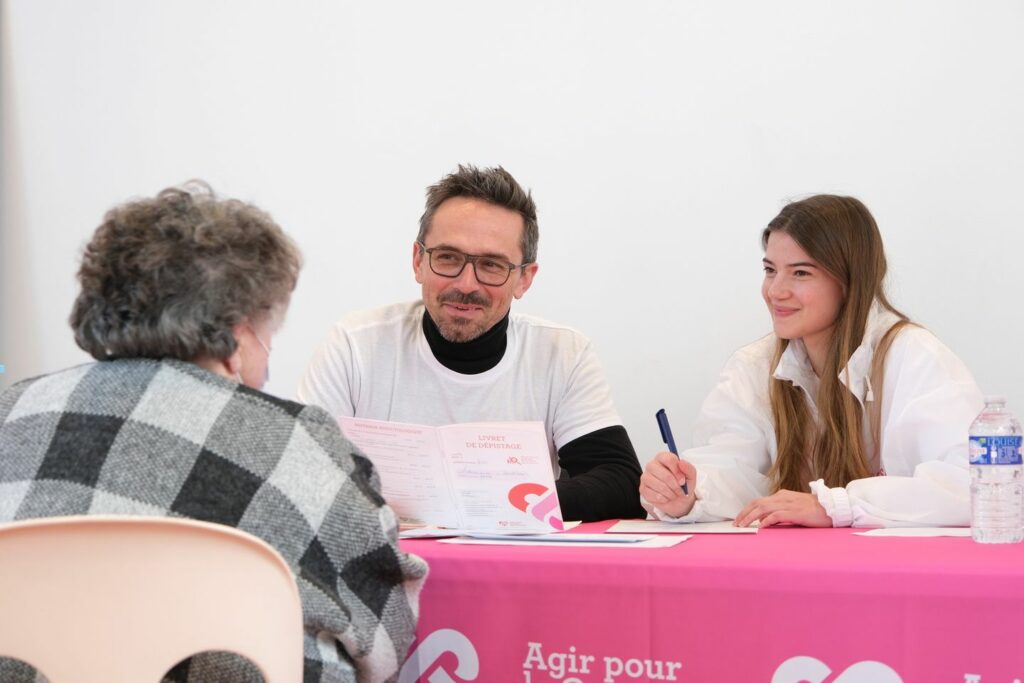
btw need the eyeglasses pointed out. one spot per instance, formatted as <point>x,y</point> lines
<point>488,269</point>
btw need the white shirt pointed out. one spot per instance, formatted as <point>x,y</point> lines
<point>929,402</point>
<point>377,364</point>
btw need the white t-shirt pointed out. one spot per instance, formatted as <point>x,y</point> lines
<point>377,364</point>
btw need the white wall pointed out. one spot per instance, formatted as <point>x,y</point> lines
<point>658,138</point>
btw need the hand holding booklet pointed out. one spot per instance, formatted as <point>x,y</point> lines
<point>486,476</point>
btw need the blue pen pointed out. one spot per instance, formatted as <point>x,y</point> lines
<point>666,436</point>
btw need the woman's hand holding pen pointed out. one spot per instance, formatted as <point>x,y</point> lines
<point>662,481</point>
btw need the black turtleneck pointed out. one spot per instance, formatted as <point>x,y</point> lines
<point>470,357</point>
<point>600,471</point>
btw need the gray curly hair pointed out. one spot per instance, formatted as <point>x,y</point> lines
<point>171,276</point>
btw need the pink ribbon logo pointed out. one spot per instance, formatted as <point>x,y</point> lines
<point>538,501</point>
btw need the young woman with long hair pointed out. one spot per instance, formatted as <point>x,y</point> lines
<point>848,414</point>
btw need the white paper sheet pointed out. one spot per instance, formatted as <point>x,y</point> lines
<point>653,542</point>
<point>918,532</point>
<point>563,538</point>
<point>428,532</point>
<point>654,526</point>
<point>441,532</point>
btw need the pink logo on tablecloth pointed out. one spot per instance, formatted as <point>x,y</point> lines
<point>805,669</point>
<point>537,500</point>
<point>429,651</point>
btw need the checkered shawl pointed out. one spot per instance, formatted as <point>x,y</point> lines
<point>167,438</point>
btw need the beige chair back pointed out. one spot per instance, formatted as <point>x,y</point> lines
<point>123,599</point>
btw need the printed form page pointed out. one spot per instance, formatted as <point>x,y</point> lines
<point>501,473</point>
<point>411,467</point>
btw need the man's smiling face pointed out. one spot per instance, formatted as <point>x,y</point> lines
<point>461,306</point>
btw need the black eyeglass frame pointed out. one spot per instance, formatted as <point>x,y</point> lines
<point>468,258</point>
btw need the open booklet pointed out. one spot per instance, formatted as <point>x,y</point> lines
<point>480,476</point>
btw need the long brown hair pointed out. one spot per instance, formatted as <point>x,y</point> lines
<point>842,236</point>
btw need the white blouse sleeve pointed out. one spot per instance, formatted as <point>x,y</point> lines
<point>733,440</point>
<point>930,400</point>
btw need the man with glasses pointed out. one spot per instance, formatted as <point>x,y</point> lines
<point>459,355</point>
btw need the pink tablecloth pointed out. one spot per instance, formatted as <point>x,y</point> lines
<point>784,606</point>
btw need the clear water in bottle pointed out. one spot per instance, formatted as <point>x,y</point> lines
<point>997,515</point>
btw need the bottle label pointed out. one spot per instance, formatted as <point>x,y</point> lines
<point>995,450</point>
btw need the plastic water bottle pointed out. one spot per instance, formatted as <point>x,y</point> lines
<point>996,473</point>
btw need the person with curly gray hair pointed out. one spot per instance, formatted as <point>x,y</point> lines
<point>181,296</point>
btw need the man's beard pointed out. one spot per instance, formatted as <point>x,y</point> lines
<point>460,330</point>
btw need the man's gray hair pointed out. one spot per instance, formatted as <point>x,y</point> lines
<point>493,185</point>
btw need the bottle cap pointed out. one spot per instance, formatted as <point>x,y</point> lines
<point>994,398</point>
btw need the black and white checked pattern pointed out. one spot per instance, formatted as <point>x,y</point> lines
<point>167,438</point>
